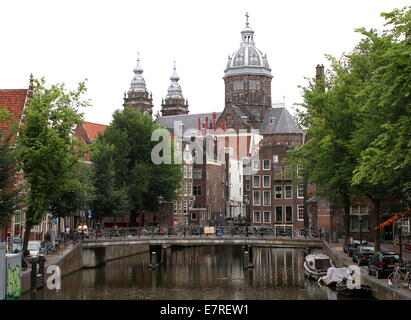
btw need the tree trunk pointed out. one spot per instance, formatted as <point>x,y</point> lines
<point>133,216</point>
<point>377,222</point>
<point>347,205</point>
<point>26,235</point>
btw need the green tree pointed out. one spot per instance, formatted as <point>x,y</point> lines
<point>8,193</point>
<point>47,144</point>
<point>124,150</point>
<point>382,139</point>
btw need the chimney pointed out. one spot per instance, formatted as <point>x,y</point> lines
<point>319,72</point>
<point>214,121</point>
<point>206,125</point>
<point>199,124</point>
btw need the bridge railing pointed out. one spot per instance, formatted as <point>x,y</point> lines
<point>198,231</point>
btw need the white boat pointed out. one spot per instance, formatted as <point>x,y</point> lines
<point>334,275</point>
<point>316,265</point>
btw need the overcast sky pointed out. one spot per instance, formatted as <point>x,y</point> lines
<point>68,41</point>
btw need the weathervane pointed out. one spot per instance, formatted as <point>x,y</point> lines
<point>246,16</point>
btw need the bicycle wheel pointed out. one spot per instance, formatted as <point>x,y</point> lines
<point>394,278</point>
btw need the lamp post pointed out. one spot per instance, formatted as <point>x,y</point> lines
<point>360,217</point>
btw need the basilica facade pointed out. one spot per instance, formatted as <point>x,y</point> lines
<point>220,190</point>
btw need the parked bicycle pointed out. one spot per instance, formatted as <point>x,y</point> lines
<point>398,277</point>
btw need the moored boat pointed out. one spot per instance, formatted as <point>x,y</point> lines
<point>316,265</point>
<point>333,276</point>
<point>344,289</point>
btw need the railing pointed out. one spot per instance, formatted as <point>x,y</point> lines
<point>203,232</point>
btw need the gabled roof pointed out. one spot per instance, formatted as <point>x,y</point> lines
<point>14,101</point>
<point>93,129</point>
<point>281,122</point>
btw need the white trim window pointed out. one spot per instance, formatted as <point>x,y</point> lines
<point>257,216</point>
<point>197,173</point>
<point>300,212</point>
<point>247,187</point>
<point>300,191</point>
<point>266,164</point>
<point>288,213</point>
<point>266,181</point>
<point>266,198</point>
<point>256,165</point>
<point>267,216</point>
<point>278,192</point>
<point>256,181</point>
<point>278,213</point>
<point>257,198</point>
<point>193,215</point>
<point>275,158</point>
<point>288,192</point>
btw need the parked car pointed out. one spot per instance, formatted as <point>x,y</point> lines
<point>350,244</point>
<point>362,255</point>
<point>34,247</point>
<point>383,263</point>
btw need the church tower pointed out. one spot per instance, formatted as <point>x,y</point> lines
<point>174,103</point>
<point>247,76</point>
<point>137,96</point>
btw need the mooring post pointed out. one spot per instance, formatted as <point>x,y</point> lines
<point>245,259</point>
<point>250,257</point>
<point>153,262</point>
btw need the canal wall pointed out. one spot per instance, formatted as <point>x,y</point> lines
<point>76,258</point>
<point>381,289</point>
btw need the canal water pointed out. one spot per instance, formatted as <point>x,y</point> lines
<point>197,272</point>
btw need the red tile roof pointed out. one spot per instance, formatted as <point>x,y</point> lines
<point>93,129</point>
<point>13,100</point>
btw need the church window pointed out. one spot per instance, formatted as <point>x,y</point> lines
<point>254,84</point>
<point>238,85</point>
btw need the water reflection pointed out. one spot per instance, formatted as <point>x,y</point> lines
<point>208,272</point>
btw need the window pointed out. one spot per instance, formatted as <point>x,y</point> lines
<point>278,214</point>
<point>355,223</point>
<point>256,165</point>
<point>266,165</point>
<point>278,173</point>
<point>266,198</point>
<point>300,212</point>
<point>246,198</point>
<point>275,158</point>
<point>247,177</point>
<point>185,171</point>
<point>256,217</point>
<point>288,213</point>
<point>267,217</point>
<point>359,210</point>
<point>193,215</point>
<point>288,192</point>
<point>197,173</point>
<point>256,181</point>
<point>300,191</point>
<point>278,192</point>
<point>190,189</point>
<point>238,85</point>
<point>254,85</point>
<point>197,190</point>
<point>190,172</point>
<point>247,187</point>
<point>257,198</point>
<point>266,181</point>
<point>185,204</point>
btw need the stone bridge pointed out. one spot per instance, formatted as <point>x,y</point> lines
<point>97,251</point>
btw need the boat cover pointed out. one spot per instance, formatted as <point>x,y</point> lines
<point>335,275</point>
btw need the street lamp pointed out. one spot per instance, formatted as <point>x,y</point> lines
<point>360,218</point>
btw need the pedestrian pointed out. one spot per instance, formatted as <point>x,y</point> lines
<point>85,230</point>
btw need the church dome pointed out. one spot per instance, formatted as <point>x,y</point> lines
<point>247,59</point>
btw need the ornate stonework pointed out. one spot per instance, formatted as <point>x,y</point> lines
<point>137,96</point>
<point>174,103</point>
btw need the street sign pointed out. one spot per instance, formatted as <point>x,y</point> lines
<point>89,213</point>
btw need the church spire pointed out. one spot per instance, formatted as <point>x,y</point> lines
<point>174,103</point>
<point>138,83</point>
<point>137,96</point>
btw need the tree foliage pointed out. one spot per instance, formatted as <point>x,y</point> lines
<point>124,168</point>
<point>48,149</point>
<point>358,120</point>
